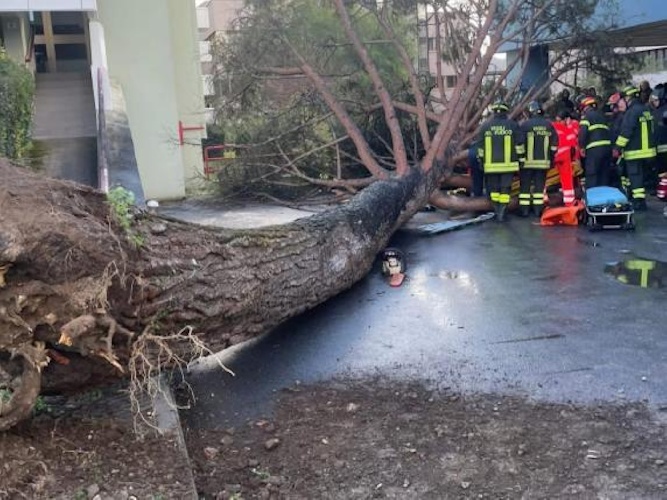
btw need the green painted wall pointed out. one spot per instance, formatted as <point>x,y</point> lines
<point>189,90</point>
<point>150,46</point>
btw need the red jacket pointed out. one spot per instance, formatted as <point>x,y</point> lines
<point>568,139</point>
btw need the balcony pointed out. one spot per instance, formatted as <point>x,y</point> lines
<point>203,20</point>
<point>205,52</point>
<point>207,82</point>
<point>47,5</point>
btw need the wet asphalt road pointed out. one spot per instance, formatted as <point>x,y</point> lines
<point>507,309</point>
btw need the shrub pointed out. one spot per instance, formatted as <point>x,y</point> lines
<point>17,89</point>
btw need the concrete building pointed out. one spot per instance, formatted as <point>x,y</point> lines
<point>124,74</point>
<point>220,16</point>
<point>427,60</point>
<point>637,25</point>
<point>215,20</point>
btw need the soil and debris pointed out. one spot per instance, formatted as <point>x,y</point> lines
<point>354,440</point>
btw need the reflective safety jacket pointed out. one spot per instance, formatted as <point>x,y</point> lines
<point>637,136</point>
<point>501,144</point>
<point>541,142</point>
<point>594,131</point>
<point>660,129</point>
<point>567,141</point>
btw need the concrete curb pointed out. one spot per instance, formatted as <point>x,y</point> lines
<point>168,422</point>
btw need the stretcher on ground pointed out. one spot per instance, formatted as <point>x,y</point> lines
<point>608,208</point>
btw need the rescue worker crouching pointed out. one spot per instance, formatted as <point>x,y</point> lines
<point>595,144</point>
<point>501,145</point>
<point>636,143</point>
<point>540,150</point>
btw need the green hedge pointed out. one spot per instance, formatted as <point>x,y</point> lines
<point>17,89</point>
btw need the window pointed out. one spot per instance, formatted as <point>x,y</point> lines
<point>67,23</point>
<point>450,81</point>
<point>431,44</point>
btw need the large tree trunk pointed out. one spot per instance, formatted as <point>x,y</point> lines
<point>71,273</point>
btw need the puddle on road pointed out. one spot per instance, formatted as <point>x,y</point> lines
<point>640,272</point>
<point>588,243</point>
<point>449,275</point>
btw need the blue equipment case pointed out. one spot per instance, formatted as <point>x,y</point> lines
<point>608,208</point>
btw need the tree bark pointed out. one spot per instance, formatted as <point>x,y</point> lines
<point>69,266</point>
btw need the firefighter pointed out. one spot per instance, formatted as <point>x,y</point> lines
<point>594,144</point>
<point>568,131</point>
<point>617,107</point>
<point>659,106</point>
<point>541,146</point>
<point>501,146</point>
<point>636,143</point>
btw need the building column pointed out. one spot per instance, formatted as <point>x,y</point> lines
<point>98,63</point>
<point>48,41</point>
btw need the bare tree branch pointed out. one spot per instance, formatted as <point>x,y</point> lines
<point>380,89</point>
<point>346,121</point>
<point>420,109</point>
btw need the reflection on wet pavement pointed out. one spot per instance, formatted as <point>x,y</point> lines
<point>518,309</point>
<point>635,271</point>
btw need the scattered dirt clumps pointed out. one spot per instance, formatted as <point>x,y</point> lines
<point>375,440</point>
<point>351,440</point>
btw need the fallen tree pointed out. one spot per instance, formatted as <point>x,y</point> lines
<point>90,292</point>
<point>77,291</point>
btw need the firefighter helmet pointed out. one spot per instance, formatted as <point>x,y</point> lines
<point>534,108</point>
<point>499,107</point>
<point>614,99</point>
<point>630,91</point>
<point>588,102</point>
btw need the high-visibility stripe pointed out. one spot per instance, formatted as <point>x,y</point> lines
<point>584,123</point>
<point>495,196</point>
<point>501,168</point>
<point>530,147</point>
<point>662,148</point>
<point>504,198</point>
<point>524,199</point>
<point>507,146</point>
<point>639,154</point>
<point>645,144</point>
<point>598,143</point>
<point>621,142</point>
<point>537,164</point>
<point>598,126</point>
<point>639,193</point>
<point>568,196</point>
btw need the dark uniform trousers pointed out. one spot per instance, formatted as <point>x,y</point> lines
<point>598,166</point>
<point>537,177</point>
<point>637,140</point>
